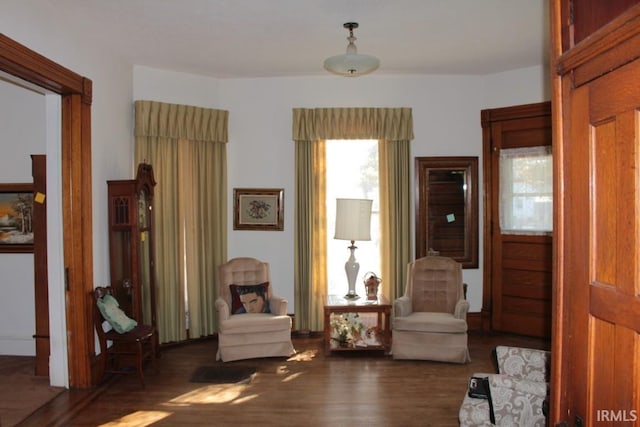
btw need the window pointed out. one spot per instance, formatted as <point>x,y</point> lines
<point>526,190</point>
<point>352,172</point>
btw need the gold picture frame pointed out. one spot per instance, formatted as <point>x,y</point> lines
<point>16,218</point>
<point>258,209</point>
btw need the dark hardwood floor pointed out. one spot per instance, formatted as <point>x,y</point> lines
<point>347,389</point>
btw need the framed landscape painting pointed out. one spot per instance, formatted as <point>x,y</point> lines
<point>16,217</point>
<point>258,209</point>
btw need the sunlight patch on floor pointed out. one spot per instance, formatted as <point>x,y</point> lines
<point>138,419</point>
<point>244,399</point>
<point>215,393</point>
<point>305,356</point>
<point>292,377</point>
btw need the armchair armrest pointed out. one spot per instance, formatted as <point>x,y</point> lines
<point>223,309</point>
<point>535,388</point>
<point>402,306</point>
<point>461,309</point>
<point>278,305</point>
<point>525,363</point>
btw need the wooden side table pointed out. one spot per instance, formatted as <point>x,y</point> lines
<point>335,304</point>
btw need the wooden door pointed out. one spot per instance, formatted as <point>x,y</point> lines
<point>596,345</point>
<point>518,266</point>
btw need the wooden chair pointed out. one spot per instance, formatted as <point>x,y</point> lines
<point>129,350</point>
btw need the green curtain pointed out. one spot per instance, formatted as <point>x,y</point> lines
<point>309,235</point>
<point>186,146</point>
<point>395,214</point>
<point>393,128</point>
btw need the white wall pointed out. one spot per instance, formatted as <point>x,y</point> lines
<point>48,30</point>
<point>446,115</point>
<point>517,87</point>
<point>22,120</point>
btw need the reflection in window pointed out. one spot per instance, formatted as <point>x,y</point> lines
<point>526,190</point>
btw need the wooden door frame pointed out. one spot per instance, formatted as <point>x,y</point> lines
<point>605,50</point>
<point>40,273</point>
<point>487,118</point>
<point>76,96</point>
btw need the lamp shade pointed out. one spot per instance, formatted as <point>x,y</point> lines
<point>353,219</point>
<point>351,64</point>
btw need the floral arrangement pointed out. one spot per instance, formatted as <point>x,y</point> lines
<point>346,329</point>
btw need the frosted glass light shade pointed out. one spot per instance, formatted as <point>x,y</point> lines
<point>353,219</point>
<point>351,64</point>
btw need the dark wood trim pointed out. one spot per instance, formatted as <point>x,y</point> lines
<point>77,238</point>
<point>475,322</point>
<point>76,94</point>
<point>487,226</point>
<point>590,15</point>
<point>424,195</point>
<point>41,283</point>
<point>487,119</point>
<point>516,112</point>
<point>20,61</point>
<point>560,40</point>
<point>607,49</point>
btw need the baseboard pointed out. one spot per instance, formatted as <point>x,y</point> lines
<point>474,322</point>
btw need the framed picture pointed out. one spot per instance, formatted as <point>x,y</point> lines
<point>258,209</point>
<point>16,217</point>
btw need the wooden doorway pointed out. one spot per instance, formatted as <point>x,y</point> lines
<point>517,260</point>
<point>596,331</point>
<point>76,94</point>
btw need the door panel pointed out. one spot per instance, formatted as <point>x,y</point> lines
<point>602,253</point>
<point>596,327</point>
<point>613,283</point>
<point>518,275</point>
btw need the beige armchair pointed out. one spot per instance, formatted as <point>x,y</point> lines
<point>252,321</point>
<point>430,318</point>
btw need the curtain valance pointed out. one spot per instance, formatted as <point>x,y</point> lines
<point>390,124</point>
<point>159,119</point>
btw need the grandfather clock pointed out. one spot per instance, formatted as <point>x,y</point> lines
<point>131,245</point>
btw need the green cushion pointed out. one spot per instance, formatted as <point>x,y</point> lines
<point>112,312</point>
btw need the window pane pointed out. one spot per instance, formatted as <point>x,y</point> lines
<point>352,172</point>
<point>526,190</point>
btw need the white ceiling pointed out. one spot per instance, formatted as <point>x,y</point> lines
<point>268,38</point>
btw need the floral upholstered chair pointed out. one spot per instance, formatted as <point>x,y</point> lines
<point>518,391</point>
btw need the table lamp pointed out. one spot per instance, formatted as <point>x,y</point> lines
<point>353,222</point>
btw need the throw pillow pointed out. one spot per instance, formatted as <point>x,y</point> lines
<point>112,312</point>
<point>249,298</point>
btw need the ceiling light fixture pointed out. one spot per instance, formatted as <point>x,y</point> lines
<point>351,64</point>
